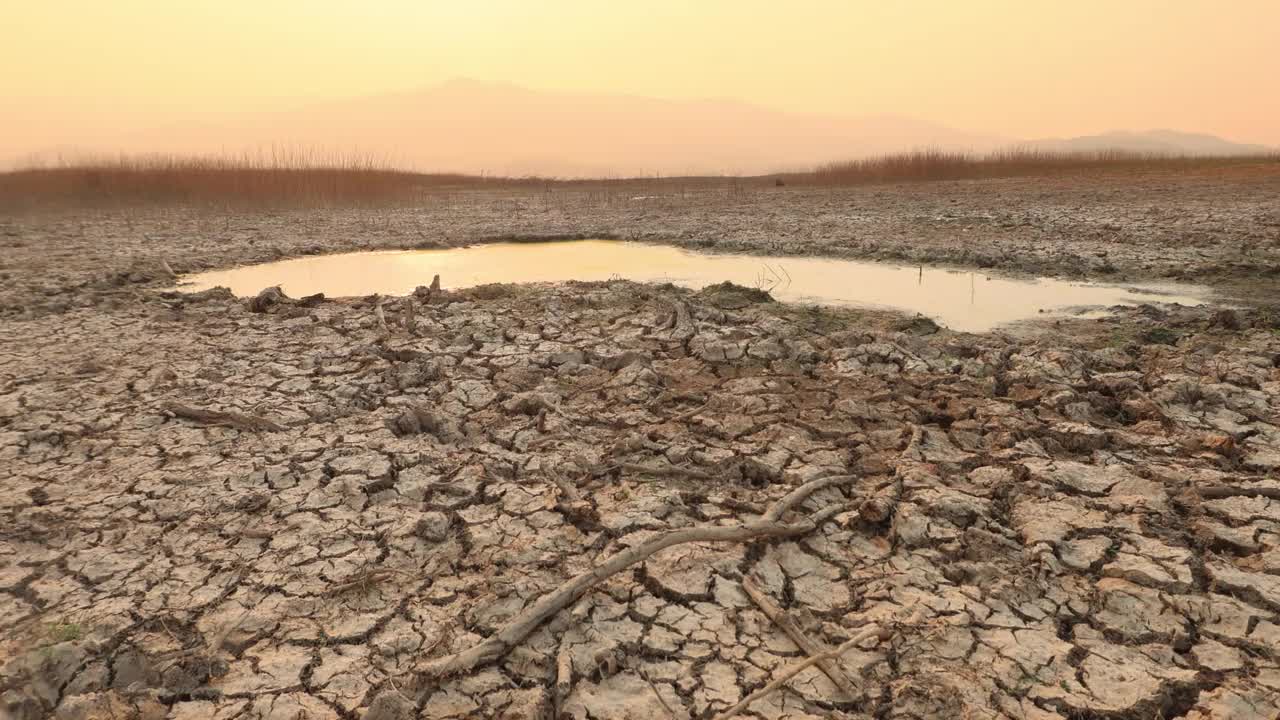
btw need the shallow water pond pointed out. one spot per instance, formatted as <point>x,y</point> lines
<point>967,301</point>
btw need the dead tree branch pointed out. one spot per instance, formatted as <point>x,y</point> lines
<point>873,631</point>
<point>227,418</point>
<point>1217,492</point>
<point>784,620</point>
<point>523,624</point>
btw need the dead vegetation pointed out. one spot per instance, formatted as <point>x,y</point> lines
<point>311,179</point>
<point>225,418</point>
<point>933,164</point>
<point>769,526</point>
<point>290,179</point>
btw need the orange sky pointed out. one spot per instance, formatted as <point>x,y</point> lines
<point>1019,68</point>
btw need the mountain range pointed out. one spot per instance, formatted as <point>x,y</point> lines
<point>501,129</point>
<point>1152,141</point>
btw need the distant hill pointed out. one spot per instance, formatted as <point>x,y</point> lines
<point>474,127</point>
<point>1151,141</point>
<point>502,129</point>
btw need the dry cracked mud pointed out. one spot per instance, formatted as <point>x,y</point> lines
<point>296,508</point>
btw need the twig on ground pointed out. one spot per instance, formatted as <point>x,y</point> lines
<point>689,413</point>
<point>670,713</point>
<point>568,492</point>
<point>829,666</point>
<point>227,418</point>
<point>662,470</point>
<point>564,678</point>
<point>523,624</point>
<point>363,579</point>
<point>1217,492</point>
<point>801,493</point>
<point>797,668</point>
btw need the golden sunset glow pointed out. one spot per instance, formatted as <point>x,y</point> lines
<point>1008,67</point>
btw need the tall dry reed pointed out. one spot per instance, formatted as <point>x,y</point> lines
<point>278,177</point>
<point>933,164</point>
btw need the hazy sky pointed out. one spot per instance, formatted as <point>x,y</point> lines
<point>1021,68</point>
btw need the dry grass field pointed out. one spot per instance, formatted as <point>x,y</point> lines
<point>313,179</point>
<point>927,165</point>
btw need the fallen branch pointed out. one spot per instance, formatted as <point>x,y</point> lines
<point>523,624</point>
<point>362,580</point>
<point>800,494</point>
<point>662,470</point>
<point>681,417</point>
<point>564,678</point>
<point>568,493</point>
<point>1217,492</point>
<point>829,666</point>
<point>226,418</point>
<point>868,633</point>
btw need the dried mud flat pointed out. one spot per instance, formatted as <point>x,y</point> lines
<point>320,509</point>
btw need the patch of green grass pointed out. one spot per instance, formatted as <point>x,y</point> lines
<point>1160,336</point>
<point>1120,338</point>
<point>64,632</point>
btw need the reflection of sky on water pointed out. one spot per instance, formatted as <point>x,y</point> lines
<point>960,300</point>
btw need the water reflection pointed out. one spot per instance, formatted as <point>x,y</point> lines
<point>960,300</point>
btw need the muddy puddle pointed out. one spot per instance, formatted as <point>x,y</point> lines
<point>960,300</point>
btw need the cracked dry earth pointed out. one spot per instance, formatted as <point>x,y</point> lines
<point>290,511</point>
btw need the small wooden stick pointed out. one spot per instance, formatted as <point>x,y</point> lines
<point>228,418</point>
<point>830,666</point>
<point>564,678</point>
<point>797,496</point>
<point>538,612</point>
<point>567,491</point>
<point>1214,492</point>
<point>796,669</point>
<point>362,579</point>
<point>689,413</point>
<point>661,470</point>
<point>670,713</point>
